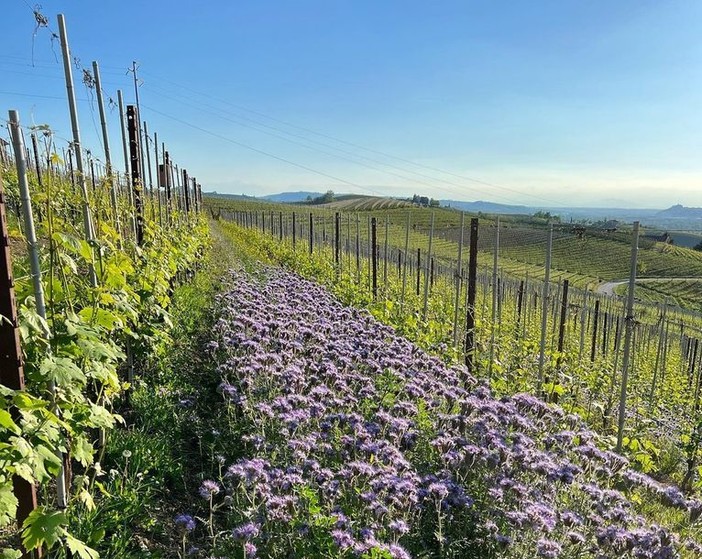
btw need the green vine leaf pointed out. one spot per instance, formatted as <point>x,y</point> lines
<point>8,504</point>
<point>43,527</point>
<point>78,548</point>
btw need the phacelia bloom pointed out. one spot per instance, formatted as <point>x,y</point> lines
<point>249,550</point>
<point>247,531</point>
<point>185,522</point>
<point>209,488</point>
<point>548,549</point>
<point>398,527</point>
<point>342,539</point>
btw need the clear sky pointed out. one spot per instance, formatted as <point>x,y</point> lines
<point>549,102</point>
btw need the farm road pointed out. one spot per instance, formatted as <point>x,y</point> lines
<point>608,288</point>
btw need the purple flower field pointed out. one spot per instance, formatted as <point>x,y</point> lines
<point>359,444</point>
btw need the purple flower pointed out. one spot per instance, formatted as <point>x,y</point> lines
<point>209,488</point>
<point>398,527</point>
<point>247,531</point>
<point>548,549</point>
<point>249,550</point>
<point>342,539</point>
<point>185,522</point>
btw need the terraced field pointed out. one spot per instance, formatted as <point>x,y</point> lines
<point>683,293</point>
<point>366,203</point>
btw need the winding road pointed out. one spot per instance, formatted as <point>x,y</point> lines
<point>608,288</point>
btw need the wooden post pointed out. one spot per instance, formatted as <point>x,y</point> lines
<point>294,230</point>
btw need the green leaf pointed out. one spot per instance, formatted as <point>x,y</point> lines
<point>8,504</point>
<point>26,402</point>
<point>52,463</point>
<point>87,499</point>
<point>43,527</point>
<point>7,422</point>
<point>77,547</point>
<point>8,553</point>
<point>82,450</point>
<point>86,251</point>
<point>101,317</point>
<point>101,417</point>
<point>62,370</point>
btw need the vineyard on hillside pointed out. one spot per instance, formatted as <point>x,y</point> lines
<point>188,377</point>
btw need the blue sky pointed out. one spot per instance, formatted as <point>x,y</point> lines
<point>544,102</point>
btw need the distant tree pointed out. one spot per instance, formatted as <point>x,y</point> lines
<point>423,201</point>
<point>698,247</point>
<point>547,216</point>
<point>434,203</point>
<point>323,199</point>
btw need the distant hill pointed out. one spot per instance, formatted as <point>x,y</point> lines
<point>487,207</point>
<point>291,197</point>
<point>680,211</point>
<point>229,196</point>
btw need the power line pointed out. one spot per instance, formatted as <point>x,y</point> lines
<point>262,152</point>
<point>221,114</point>
<point>358,146</point>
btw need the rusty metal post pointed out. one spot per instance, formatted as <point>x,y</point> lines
<point>374,255</point>
<point>311,232</point>
<point>135,165</point>
<point>337,239</point>
<point>11,365</point>
<point>472,285</point>
<point>186,191</point>
<point>419,268</point>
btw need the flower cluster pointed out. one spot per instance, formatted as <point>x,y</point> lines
<point>358,441</point>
